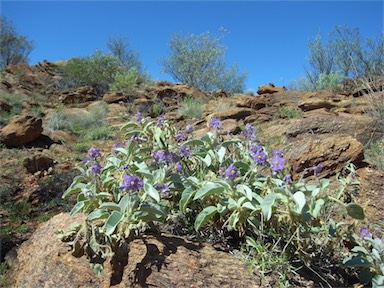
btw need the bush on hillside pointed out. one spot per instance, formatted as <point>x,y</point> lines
<point>199,60</point>
<point>14,48</point>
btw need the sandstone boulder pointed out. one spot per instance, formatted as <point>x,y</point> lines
<point>152,261</point>
<point>21,130</point>
<point>332,151</point>
<point>358,126</point>
<point>269,89</point>
<point>114,97</point>
<point>80,95</point>
<point>234,113</point>
<point>316,103</point>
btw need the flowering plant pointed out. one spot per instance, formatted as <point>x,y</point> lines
<point>233,184</point>
<point>368,255</point>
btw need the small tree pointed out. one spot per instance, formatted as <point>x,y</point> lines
<point>97,70</point>
<point>14,48</point>
<point>199,60</point>
<point>321,60</point>
<point>345,51</point>
<point>127,58</point>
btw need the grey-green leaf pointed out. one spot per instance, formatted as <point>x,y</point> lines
<point>266,205</point>
<point>113,220</point>
<point>204,216</point>
<point>355,211</point>
<point>209,189</point>
<point>152,192</point>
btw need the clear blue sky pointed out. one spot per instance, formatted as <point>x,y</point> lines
<point>267,39</point>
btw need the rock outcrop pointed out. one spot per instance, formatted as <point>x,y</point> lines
<point>332,151</point>
<point>22,129</point>
<point>269,89</point>
<point>152,261</point>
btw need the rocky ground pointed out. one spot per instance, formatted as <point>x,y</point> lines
<point>38,163</point>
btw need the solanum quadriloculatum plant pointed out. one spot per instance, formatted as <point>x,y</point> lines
<point>230,183</point>
<point>368,255</point>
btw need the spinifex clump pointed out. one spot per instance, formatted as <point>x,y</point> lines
<point>233,184</point>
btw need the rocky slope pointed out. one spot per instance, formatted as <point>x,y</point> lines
<point>310,127</point>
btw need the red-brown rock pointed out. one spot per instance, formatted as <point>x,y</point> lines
<point>37,162</point>
<point>21,130</point>
<point>152,261</point>
<point>332,151</point>
<point>269,89</point>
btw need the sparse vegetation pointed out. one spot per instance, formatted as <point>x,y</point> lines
<point>290,112</point>
<point>90,125</point>
<point>344,55</point>
<point>190,107</point>
<point>199,60</point>
<point>14,48</point>
<point>14,101</point>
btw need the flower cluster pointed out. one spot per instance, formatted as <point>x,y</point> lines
<point>164,156</point>
<point>258,154</point>
<point>215,123</point>
<point>249,132</point>
<point>93,153</point>
<point>131,183</point>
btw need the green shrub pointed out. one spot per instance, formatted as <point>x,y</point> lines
<point>14,100</point>
<point>102,132</point>
<point>125,80</point>
<point>374,153</point>
<point>190,107</point>
<point>233,185</point>
<point>79,124</point>
<point>289,112</point>
<point>199,60</point>
<point>97,70</point>
<point>329,81</point>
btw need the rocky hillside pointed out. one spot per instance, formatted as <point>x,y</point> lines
<point>39,152</point>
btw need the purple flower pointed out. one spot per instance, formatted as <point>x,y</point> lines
<point>278,153</point>
<point>159,122</point>
<point>287,178</point>
<point>189,128</point>
<point>172,157</point>
<point>258,154</point>
<point>180,136</point>
<point>159,155</point>
<point>185,151</point>
<point>93,153</point>
<point>249,132</point>
<point>96,168</point>
<point>364,233</point>
<point>131,183</point>
<point>135,138</point>
<point>221,171</point>
<point>231,171</point>
<point>278,161</point>
<point>138,116</point>
<point>163,188</point>
<point>178,168</point>
<point>317,169</point>
<point>215,123</point>
<point>115,146</point>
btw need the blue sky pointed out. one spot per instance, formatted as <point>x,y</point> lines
<point>267,39</point>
